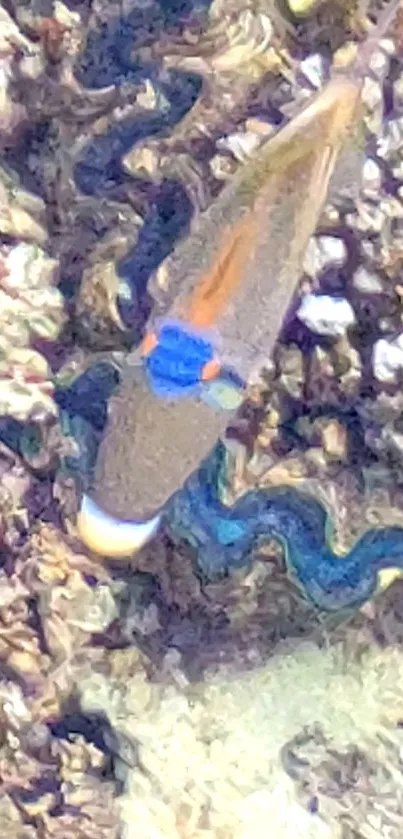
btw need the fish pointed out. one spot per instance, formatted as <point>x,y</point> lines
<point>220,300</point>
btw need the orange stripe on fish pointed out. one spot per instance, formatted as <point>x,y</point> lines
<point>211,370</point>
<point>149,343</point>
<point>214,290</point>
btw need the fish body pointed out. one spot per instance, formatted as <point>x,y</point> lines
<point>225,290</point>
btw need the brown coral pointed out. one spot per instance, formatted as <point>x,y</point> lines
<point>54,599</point>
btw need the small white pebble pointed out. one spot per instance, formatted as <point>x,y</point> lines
<point>15,707</point>
<point>367,281</point>
<point>313,68</point>
<point>371,178</point>
<point>390,143</point>
<point>125,291</point>
<point>32,66</point>
<point>369,218</point>
<point>398,95</point>
<point>5,74</point>
<point>152,98</point>
<point>326,315</point>
<point>397,170</point>
<point>324,252</point>
<point>380,60</point>
<point>17,262</point>
<point>387,359</point>
<point>64,16</point>
<point>369,250</point>
<point>241,144</point>
<point>372,97</point>
<point>388,46</point>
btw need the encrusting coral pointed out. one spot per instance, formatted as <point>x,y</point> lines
<point>117,123</point>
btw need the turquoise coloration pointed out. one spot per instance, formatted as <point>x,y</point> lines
<point>226,392</point>
<point>225,538</point>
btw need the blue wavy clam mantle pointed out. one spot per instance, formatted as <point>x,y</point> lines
<point>226,537</point>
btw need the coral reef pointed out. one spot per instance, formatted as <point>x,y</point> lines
<point>221,758</point>
<point>141,698</point>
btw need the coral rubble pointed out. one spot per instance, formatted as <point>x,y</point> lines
<point>139,698</point>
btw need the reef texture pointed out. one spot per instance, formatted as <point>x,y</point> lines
<point>141,699</point>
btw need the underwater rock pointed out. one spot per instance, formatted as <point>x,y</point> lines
<point>200,771</point>
<point>333,377</point>
<point>323,253</point>
<point>10,590</point>
<point>216,766</point>
<point>74,611</point>
<point>332,435</point>
<point>292,374</point>
<point>328,780</point>
<point>18,55</point>
<point>26,387</point>
<point>381,422</point>
<point>390,143</point>
<point>11,114</point>
<point>31,309</point>
<point>326,315</point>
<point>367,281</point>
<point>304,7</point>
<point>398,95</point>
<point>314,69</point>
<point>241,145</point>
<point>371,179</point>
<point>249,40</point>
<point>56,784</point>
<point>19,644</point>
<point>387,359</point>
<point>31,305</point>
<point>374,219</point>
<point>97,307</point>
<point>236,50</point>
<point>372,98</point>
<point>22,214</point>
<point>15,483</point>
<point>49,559</point>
